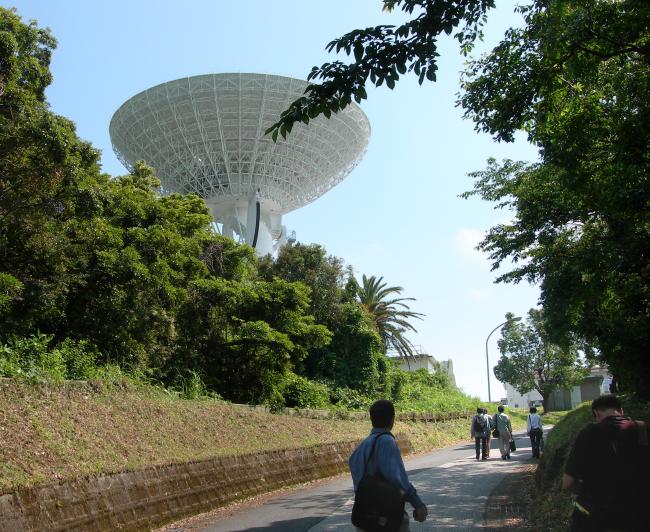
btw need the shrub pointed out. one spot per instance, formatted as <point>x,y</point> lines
<point>111,375</point>
<point>79,357</point>
<point>300,392</point>
<point>349,399</point>
<point>30,358</point>
<point>192,386</point>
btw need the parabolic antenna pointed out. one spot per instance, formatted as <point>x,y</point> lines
<point>205,134</point>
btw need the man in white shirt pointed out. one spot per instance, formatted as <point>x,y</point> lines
<point>535,430</point>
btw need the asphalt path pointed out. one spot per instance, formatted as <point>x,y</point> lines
<point>454,486</point>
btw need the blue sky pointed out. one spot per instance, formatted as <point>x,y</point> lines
<point>397,215</point>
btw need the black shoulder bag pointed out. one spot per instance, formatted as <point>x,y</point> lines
<point>378,504</point>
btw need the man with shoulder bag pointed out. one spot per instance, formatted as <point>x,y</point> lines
<point>381,485</point>
<point>503,431</point>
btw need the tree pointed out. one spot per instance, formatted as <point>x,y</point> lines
<point>576,79</point>
<point>383,53</point>
<point>355,356</point>
<point>530,361</point>
<point>48,177</point>
<point>130,268</point>
<point>390,315</point>
<point>244,335</point>
<point>323,274</point>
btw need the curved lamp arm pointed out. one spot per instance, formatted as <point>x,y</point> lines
<point>487,359</point>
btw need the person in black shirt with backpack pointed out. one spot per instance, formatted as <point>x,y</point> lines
<point>609,469</point>
<point>479,431</point>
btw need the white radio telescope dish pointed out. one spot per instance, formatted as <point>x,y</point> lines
<point>205,134</point>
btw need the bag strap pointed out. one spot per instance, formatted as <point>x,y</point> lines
<point>372,449</point>
<point>642,433</point>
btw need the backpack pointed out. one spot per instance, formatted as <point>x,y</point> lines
<point>628,505</point>
<point>378,504</point>
<point>480,424</point>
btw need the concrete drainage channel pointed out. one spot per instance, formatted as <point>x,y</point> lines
<point>141,500</point>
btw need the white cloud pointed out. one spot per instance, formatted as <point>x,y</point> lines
<point>465,242</point>
<point>478,295</point>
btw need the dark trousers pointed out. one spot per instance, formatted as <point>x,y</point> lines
<point>535,438</point>
<point>481,446</point>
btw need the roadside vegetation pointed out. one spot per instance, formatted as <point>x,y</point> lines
<point>520,417</point>
<point>56,432</point>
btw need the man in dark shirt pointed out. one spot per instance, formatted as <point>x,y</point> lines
<point>608,468</point>
<point>479,429</point>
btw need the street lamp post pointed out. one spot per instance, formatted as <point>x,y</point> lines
<point>487,358</point>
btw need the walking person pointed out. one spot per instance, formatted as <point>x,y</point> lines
<point>608,468</point>
<point>535,430</point>
<point>479,430</point>
<point>503,428</point>
<point>488,440</point>
<point>378,459</point>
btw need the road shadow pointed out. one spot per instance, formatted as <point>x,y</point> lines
<point>456,494</point>
<point>288,525</point>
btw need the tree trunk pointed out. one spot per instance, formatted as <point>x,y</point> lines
<point>545,403</point>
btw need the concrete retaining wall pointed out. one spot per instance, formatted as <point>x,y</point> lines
<point>140,500</point>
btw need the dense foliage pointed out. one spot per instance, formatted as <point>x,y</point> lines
<point>575,78</point>
<point>531,361</point>
<point>384,53</point>
<point>103,276</point>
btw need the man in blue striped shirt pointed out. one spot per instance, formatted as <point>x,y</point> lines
<point>386,459</point>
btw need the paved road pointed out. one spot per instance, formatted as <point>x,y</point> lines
<point>453,485</point>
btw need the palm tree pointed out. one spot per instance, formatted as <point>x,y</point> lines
<point>389,314</point>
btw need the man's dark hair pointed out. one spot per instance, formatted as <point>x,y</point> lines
<point>500,409</point>
<point>382,413</point>
<point>533,410</point>
<point>605,402</point>
<point>479,410</point>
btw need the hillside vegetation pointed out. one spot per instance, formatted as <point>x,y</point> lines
<point>58,432</point>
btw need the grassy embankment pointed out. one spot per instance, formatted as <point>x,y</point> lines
<point>52,433</point>
<point>551,507</point>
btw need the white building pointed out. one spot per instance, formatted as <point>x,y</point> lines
<point>422,360</point>
<point>594,385</point>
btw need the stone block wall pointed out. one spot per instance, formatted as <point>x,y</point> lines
<point>141,500</point>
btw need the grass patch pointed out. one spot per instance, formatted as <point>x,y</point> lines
<point>520,417</point>
<point>53,433</point>
<point>553,418</point>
